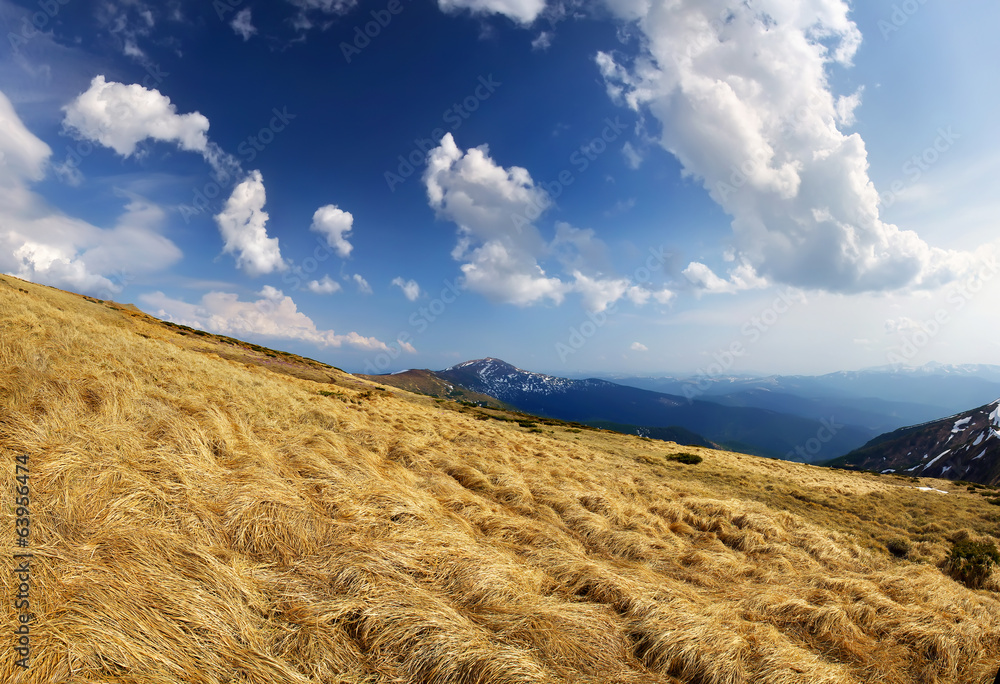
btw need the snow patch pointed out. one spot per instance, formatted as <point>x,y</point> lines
<point>931,489</point>
<point>934,460</point>
<point>960,424</point>
<point>980,455</point>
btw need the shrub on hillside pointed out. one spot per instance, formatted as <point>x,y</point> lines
<point>898,547</point>
<point>687,459</point>
<point>971,562</point>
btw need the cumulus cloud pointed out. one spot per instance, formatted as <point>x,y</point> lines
<point>41,244</point>
<point>274,314</point>
<point>521,11</point>
<point>495,209</point>
<point>599,293</point>
<point>334,224</point>
<point>743,97</point>
<point>326,285</point>
<point>639,347</point>
<point>543,41</point>
<point>410,288</point>
<point>242,24</point>
<point>243,226</point>
<point>122,117</point>
<point>361,284</point>
<point>633,159</point>
<point>741,277</point>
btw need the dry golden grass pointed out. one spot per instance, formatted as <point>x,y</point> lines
<point>198,519</point>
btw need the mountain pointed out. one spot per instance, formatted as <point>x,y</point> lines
<point>203,509</point>
<point>965,446</point>
<point>881,398</point>
<point>751,430</point>
<point>427,382</point>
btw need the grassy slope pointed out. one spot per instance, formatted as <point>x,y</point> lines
<point>202,519</point>
<point>425,382</point>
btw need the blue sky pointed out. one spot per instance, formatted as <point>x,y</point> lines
<point>616,186</point>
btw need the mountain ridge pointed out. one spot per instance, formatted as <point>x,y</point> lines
<point>962,446</point>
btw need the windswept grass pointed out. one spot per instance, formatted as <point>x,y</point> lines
<point>202,519</point>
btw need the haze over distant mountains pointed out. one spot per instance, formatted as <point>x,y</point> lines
<point>804,418</point>
<point>881,398</point>
<point>750,429</point>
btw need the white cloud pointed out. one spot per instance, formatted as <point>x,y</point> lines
<point>243,226</point>
<point>243,25</point>
<point>639,347</point>
<point>302,22</point>
<point>495,209</point>
<point>41,244</point>
<point>325,6</point>
<point>600,293</point>
<point>846,104</point>
<point>487,201</point>
<point>122,116</point>
<point>521,11</point>
<point>542,41</point>
<point>410,288</point>
<point>274,314</point>
<point>498,274</point>
<point>741,277</point>
<point>362,284</point>
<point>326,285</point>
<point>335,224</point>
<point>744,103</point>
<point>632,157</point>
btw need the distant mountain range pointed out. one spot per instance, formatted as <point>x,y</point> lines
<point>964,446</point>
<point>882,398</point>
<point>749,429</point>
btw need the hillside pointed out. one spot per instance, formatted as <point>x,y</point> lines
<point>750,430</point>
<point>266,518</point>
<point>428,383</point>
<point>965,446</point>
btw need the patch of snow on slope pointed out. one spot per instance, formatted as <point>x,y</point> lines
<point>931,489</point>
<point>960,424</point>
<point>980,455</point>
<point>979,439</point>
<point>934,460</point>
